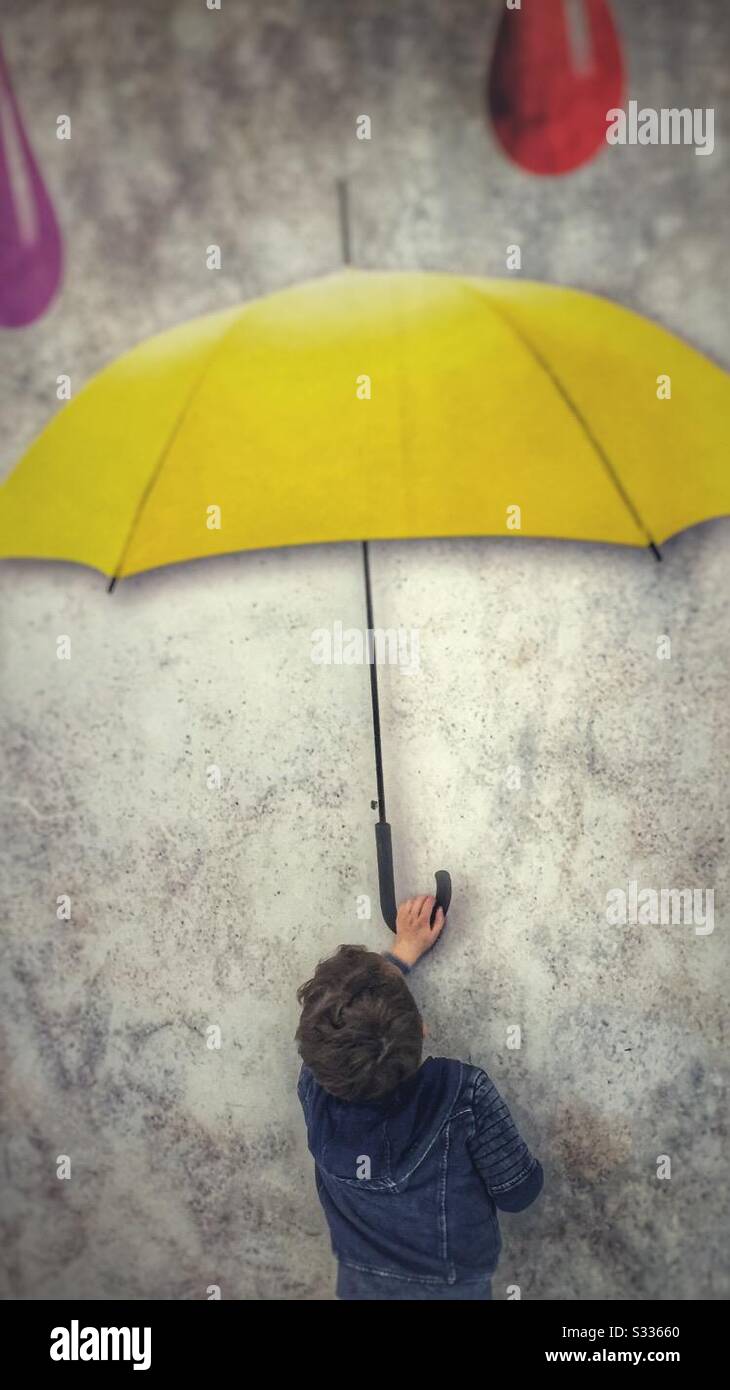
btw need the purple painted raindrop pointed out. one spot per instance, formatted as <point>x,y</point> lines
<point>30,240</point>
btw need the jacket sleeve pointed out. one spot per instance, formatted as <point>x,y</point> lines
<point>512,1176</point>
<point>304,1086</point>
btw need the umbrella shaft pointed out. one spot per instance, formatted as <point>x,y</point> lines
<point>374,684</point>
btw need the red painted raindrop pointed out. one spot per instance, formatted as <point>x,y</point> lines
<point>557,69</point>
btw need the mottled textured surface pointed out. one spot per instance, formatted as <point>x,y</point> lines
<point>194,907</point>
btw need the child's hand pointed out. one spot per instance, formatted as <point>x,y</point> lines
<point>414,934</point>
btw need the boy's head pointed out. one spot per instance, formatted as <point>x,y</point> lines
<point>360,1032</point>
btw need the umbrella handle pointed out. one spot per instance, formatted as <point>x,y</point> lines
<point>386,882</point>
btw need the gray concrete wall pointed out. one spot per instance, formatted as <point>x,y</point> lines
<point>193,907</point>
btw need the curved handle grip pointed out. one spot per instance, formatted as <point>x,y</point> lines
<point>386,881</point>
<point>443,893</point>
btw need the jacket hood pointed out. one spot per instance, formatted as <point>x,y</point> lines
<point>394,1134</point>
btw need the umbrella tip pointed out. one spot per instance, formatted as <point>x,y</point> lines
<point>655,551</point>
<point>111,584</point>
<point>343,204</point>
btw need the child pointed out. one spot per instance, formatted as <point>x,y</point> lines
<point>411,1157</point>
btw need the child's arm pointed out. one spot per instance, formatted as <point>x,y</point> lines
<point>414,934</point>
<point>512,1176</point>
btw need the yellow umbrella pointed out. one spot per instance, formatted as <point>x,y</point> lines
<point>379,405</point>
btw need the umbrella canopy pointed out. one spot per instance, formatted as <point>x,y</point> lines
<point>380,405</point>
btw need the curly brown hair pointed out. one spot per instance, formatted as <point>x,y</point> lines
<point>360,1032</point>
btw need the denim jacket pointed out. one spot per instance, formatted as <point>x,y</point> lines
<point>410,1185</point>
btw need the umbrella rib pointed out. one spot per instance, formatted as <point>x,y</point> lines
<point>154,475</point>
<point>579,416</point>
